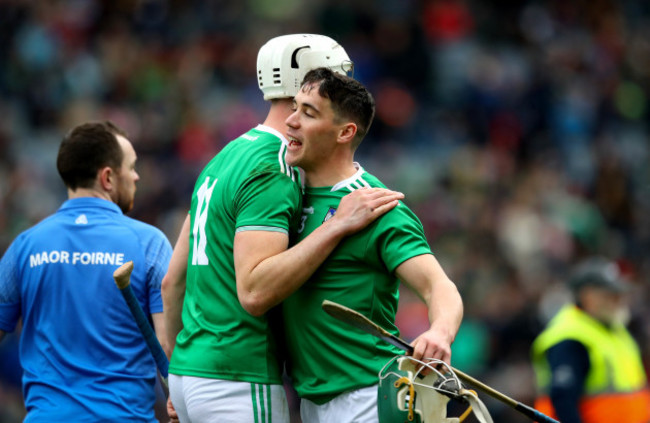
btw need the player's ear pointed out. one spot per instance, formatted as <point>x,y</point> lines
<point>347,132</point>
<point>106,178</point>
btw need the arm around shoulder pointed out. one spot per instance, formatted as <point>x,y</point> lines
<point>268,271</point>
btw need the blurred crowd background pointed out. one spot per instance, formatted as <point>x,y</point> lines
<point>518,131</point>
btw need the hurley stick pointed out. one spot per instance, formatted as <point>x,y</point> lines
<point>360,321</point>
<point>122,278</point>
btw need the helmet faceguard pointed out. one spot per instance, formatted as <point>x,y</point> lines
<point>283,62</point>
<point>406,395</point>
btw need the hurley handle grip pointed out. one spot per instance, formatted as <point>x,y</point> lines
<point>122,277</point>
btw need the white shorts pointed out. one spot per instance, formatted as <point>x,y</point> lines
<point>202,400</point>
<point>358,406</point>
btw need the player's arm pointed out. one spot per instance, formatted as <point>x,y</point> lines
<point>9,290</point>
<point>173,288</point>
<point>267,272</point>
<point>159,328</point>
<point>425,276</point>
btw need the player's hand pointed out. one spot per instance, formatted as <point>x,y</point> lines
<point>171,412</point>
<point>362,206</point>
<point>432,344</point>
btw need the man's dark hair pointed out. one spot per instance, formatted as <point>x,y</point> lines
<point>349,98</point>
<point>86,149</point>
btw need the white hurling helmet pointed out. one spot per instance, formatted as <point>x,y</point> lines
<point>283,62</point>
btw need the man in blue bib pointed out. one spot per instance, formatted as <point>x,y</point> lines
<point>84,358</point>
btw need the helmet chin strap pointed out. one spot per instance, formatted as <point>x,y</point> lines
<point>404,380</point>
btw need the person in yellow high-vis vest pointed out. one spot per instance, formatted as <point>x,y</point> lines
<point>588,366</point>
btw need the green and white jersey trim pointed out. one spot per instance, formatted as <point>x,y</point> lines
<point>284,167</point>
<point>261,228</point>
<point>354,182</point>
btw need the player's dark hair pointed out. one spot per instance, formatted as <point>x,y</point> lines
<point>86,149</point>
<point>349,98</point>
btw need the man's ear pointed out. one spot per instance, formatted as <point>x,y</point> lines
<point>106,178</point>
<point>347,133</point>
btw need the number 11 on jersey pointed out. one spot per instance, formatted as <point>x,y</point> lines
<point>198,231</point>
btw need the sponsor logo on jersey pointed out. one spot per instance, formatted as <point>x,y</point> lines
<point>81,220</point>
<point>330,213</point>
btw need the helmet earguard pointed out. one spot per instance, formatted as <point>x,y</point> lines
<point>406,395</point>
<point>283,62</point>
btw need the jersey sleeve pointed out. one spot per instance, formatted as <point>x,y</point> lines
<point>9,290</point>
<point>158,255</point>
<point>399,237</point>
<point>268,201</point>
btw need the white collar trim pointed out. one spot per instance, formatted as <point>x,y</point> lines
<point>348,181</point>
<point>272,131</point>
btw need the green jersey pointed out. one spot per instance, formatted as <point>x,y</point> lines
<point>328,357</point>
<point>247,186</point>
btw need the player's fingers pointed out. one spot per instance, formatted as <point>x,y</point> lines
<point>419,349</point>
<point>372,193</point>
<point>383,208</point>
<point>429,349</point>
<point>381,193</point>
<point>171,412</point>
<point>372,198</point>
<point>442,355</point>
<point>385,198</point>
<point>422,353</point>
<point>445,355</point>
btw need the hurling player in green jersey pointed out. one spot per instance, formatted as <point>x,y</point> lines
<point>334,366</point>
<point>232,264</point>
